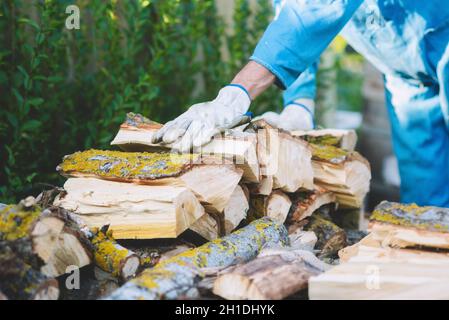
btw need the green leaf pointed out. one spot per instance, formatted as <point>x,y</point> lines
<point>35,102</point>
<point>30,23</point>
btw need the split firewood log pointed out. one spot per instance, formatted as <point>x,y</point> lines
<point>408,225</point>
<point>340,138</point>
<point>304,203</point>
<point>177,276</point>
<point>19,281</point>
<point>213,184</point>
<point>47,239</point>
<point>383,273</point>
<point>275,274</point>
<point>112,257</point>
<point>275,206</point>
<point>346,174</point>
<point>212,226</point>
<point>132,211</point>
<point>303,240</point>
<point>331,238</point>
<point>285,158</point>
<point>136,132</point>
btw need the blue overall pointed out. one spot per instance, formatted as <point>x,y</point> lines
<point>405,39</point>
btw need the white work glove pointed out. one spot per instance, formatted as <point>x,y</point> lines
<point>295,116</point>
<point>202,121</point>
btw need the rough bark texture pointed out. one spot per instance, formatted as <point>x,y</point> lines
<point>331,238</point>
<point>47,239</point>
<point>274,275</point>
<point>112,257</point>
<point>177,276</point>
<point>19,281</point>
<point>304,203</point>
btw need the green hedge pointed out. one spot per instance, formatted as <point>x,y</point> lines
<point>66,90</point>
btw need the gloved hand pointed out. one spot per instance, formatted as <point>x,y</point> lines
<point>202,121</point>
<point>295,116</point>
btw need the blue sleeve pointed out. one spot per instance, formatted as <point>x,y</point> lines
<point>304,87</point>
<point>300,34</point>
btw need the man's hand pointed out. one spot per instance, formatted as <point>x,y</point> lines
<point>202,121</point>
<point>295,116</point>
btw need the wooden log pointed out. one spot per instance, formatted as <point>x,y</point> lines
<point>136,132</point>
<point>285,158</point>
<point>211,226</point>
<point>264,187</point>
<point>401,225</point>
<point>273,275</point>
<point>213,184</point>
<point>132,211</point>
<point>19,281</point>
<point>385,274</point>
<point>48,240</point>
<point>331,238</point>
<point>347,174</point>
<point>112,257</point>
<point>175,277</point>
<point>303,240</point>
<point>275,206</point>
<point>304,203</point>
<point>340,138</point>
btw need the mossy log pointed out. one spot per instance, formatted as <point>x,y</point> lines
<point>346,174</point>
<point>409,225</point>
<point>238,147</point>
<point>331,238</point>
<point>213,183</point>
<point>46,239</point>
<point>275,274</point>
<point>19,281</point>
<point>177,276</point>
<point>112,257</point>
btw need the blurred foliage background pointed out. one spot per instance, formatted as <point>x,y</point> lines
<point>67,90</point>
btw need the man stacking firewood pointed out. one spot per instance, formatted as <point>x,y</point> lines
<point>406,40</point>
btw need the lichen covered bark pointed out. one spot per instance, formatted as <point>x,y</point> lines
<point>412,215</point>
<point>326,140</point>
<point>126,165</point>
<point>177,276</point>
<point>16,221</point>
<point>329,153</point>
<point>331,238</point>
<point>20,281</point>
<point>108,254</point>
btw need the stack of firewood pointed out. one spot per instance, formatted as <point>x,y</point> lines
<point>255,187</point>
<point>403,257</point>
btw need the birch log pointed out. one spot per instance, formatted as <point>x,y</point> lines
<point>177,276</point>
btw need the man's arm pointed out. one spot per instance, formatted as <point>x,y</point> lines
<point>254,78</point>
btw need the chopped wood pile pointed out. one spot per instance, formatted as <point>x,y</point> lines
<point>403,257</point>
<point>236,212</point>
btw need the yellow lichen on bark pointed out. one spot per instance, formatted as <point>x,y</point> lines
<point>126,165</point>
<point>16,223</point>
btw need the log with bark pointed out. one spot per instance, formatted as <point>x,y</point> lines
<point>48,240</point>
<point>19,281</point>
<point>136,132</point>
<point>340,138</point>
<point>384,273</point>
<point>304,203</point>
<point>177,276</point>
<point>212,183</point>
<point>347,174</point>
<point>132,211</point>
<point>331,238</point>
<point>275,206</point>
<point>112,257</point>
<point>275,274</point>
<point>282,157</point>
<point>408,225</point>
